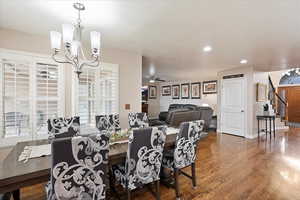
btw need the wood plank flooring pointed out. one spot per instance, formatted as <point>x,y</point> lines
<point>234,168</point>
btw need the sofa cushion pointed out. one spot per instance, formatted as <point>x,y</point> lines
<point>170,114</point>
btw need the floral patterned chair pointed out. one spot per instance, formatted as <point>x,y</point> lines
<point>184,153</point>
<point>80,172</point>
<point>110,123</point>
<point>63,127</point>
<point>138,120</point>
<point>143,161</point>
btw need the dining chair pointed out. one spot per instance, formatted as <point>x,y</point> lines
<point>63,127</point>
<point>184,153</point>
<point>80,171</point>
<point>143,161</point>
<point>110,123</point>
<point>138,120</point>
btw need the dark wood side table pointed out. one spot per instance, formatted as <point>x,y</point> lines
<point>266,118</point>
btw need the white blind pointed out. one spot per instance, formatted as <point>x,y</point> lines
<point>109,89</point>
<point>98,92</point>
<point>86,96</point>
<point>47,95</point>
<point>16,98</point>
<point>31,91</point>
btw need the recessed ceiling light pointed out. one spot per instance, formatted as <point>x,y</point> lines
<point>207,49</point>
<point>244,61</point>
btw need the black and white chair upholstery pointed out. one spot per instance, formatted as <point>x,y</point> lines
<point>110,123</point>
<point>80,171</point>
<point>143,162</point>
<point>63,127</point>
<point>138,120</point>
<point>184,153</point>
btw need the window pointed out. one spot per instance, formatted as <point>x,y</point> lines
<point>16,99</point>
<point>86,96</point>
<point>47,95</point>
<point>97,92</point>
<point>30,89</point>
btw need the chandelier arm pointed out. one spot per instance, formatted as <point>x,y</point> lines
<point>59,61</point>
<point>93,63</point>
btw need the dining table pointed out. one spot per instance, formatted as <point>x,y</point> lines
<point>15,174</point>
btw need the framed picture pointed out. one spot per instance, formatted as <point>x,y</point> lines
<point>175,91</point>
<point>209,87</point>
<point>261,92</point>
<point>185,91</point>
<point>166,90</point>
<point>196,90</point>
<point>152,92</point>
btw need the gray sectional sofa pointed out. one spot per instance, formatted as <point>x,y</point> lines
<point>178,113</point>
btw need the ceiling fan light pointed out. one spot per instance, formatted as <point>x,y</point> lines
<point>55,38</point>
<point>68,32</point>
<point>95,42</point>
<point>152,81</point>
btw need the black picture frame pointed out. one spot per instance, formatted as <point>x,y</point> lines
<point>197,84</point>
<point>185,96</point>
<point>205,83</point>
<point>152,92</point>
<point>174,96</point>
<point>163,88</point>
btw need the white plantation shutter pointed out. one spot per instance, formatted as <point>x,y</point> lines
<point>16,106</point>
<point>48,104</point>
<point>98,92</point>
<point>31,91</point>
<point>109,89</point>
<point>86,96</point>
<point>1,100</point>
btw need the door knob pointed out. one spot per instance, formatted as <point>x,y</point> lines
<point>242,110</point>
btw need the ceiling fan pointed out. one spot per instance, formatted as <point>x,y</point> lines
<point>154,79</point>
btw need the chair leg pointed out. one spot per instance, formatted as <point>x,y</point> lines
<point>16,194</point>
<point>194,175</point>
<point>157,190</point>
<point>176,177</point>
<point>128,194</point>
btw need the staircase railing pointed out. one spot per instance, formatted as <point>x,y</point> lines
<point>273,97</point>
<point>273,90</point>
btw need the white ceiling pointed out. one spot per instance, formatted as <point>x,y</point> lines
<point>170,34</point>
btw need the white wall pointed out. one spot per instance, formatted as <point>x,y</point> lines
<point>130,68</point>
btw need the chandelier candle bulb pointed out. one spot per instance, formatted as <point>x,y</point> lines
<point>68,31</point>
<point>95,42</point>
<point>75,48</point>
<point>55,38</point>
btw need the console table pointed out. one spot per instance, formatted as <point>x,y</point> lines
<point>266,118</point>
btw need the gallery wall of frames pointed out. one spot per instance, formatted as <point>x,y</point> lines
<point>188,92</point>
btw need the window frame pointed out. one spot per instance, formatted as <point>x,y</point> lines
<point>97,107</point>
<point>33,59</point>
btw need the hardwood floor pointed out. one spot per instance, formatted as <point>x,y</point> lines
<point>234,168</point>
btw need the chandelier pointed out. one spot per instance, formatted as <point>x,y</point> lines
<point>73,52</point>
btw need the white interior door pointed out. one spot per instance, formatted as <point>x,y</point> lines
<point>233,106</point>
